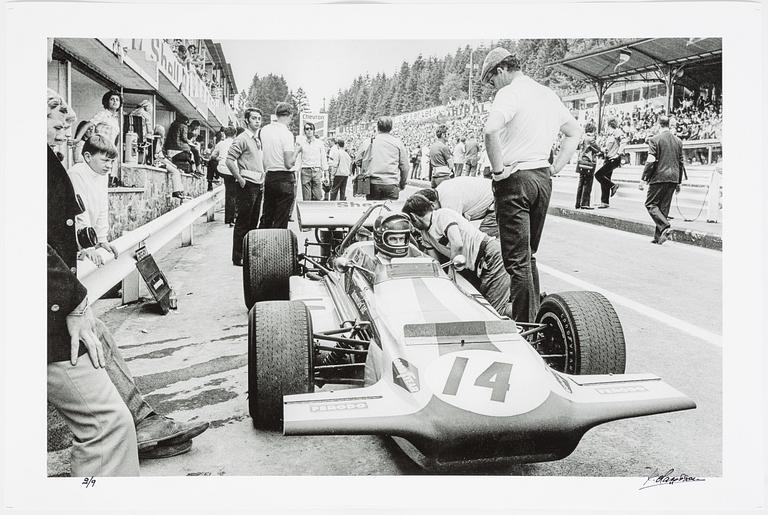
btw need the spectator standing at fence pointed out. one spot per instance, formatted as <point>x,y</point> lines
<point>415,153</point>
<point>458,156</point>
<point>194,146</point>
<point>340,168</point>
<point>386,162</point>
<point>244,161</point>
<point>280,151</point>
<point>472,156</point>
<point>585,167</point>
<point>524,121</point>
<point>613,147</point>
<point>664,171</point>
<point>440,157</point>
<point>313,164</point>
<point>219,154</point>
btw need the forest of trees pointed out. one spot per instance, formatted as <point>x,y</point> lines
<point>424,82</point>
<point>429,82</point>
<point>265,93</point>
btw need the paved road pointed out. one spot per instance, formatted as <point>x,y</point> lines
<point>192,362</point>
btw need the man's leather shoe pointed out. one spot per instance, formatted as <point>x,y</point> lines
<point>602,206</point>
<point>237,262</point>
<point>664,236</point>
<point>165,451</point>
<point>157,428</point>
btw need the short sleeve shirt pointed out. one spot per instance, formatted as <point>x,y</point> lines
<point>439,154</point>
<point>436,236</point>
<point>533,115</point>
<point>276,139</point>
<point>471,197</point>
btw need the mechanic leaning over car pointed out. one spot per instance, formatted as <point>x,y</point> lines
<point>446,232</point>
<point>471,197</point>
<point>523,123</point>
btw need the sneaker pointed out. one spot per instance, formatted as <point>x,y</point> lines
<point>157,428</point>
<point>614,189</point>
<point>165,451</point>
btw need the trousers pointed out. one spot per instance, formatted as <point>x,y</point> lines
<point>339,187</point>
<point>383,192</point>
<point>658,202</point>
<point>494,279</point>
<point>104,432</point>
<point>248,209</point>
<point>279,195</point>
<point>584,189</point>
<point>311,184</point>
<point>603,176</point>
<point>522,200</point>
<point>230,205</point>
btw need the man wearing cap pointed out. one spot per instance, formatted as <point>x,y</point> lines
<point>523,123</point>
<point>279,149</point>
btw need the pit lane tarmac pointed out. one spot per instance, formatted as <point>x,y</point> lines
<point>192,365</point>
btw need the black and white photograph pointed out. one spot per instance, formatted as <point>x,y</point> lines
<point>345,249</point>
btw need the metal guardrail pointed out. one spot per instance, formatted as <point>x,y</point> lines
<point>153,236</point>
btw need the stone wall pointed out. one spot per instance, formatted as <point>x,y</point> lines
<point>145,195</point>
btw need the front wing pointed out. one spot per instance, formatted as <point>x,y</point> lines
<point>437,432</point>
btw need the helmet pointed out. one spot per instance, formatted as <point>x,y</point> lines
<point>390,225</point>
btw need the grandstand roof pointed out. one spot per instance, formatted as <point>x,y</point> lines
<point>639,57</point>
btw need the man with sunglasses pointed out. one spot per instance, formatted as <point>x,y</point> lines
<point>523,123</point>
<point>313,164</point>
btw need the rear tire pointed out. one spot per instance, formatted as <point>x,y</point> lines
<point>280,358</point>
<point>269,260</point>
<point>584,327</point>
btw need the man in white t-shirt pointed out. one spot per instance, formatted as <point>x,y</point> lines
<point>522,126</point>
<point>471,197</point>
<point>220,152</point>
<point>279,147</point>
<point>446,233</point>
<point>340,163</point>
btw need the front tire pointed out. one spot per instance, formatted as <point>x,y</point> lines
<point>269,260</point>
<point>280,358</point>
<point>583,332</point>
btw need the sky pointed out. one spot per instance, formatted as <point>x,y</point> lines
<point>323,67</point>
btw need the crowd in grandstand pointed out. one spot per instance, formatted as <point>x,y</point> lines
<point>695,120</point>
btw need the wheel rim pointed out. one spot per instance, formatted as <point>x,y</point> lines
<point>553,346</point>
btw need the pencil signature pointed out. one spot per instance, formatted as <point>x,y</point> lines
<point>667,478</point>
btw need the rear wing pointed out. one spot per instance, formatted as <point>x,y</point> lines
<point>342,214</point>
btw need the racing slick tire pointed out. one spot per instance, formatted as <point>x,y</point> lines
<point>280,358</point>
<point>584,327</point>
<point>269,260</point>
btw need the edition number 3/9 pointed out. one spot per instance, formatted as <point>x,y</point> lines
<point>495,377</point>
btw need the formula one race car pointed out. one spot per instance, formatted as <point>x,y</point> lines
<point>421,355</point>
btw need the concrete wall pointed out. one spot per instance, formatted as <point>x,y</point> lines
<point>145,195</point>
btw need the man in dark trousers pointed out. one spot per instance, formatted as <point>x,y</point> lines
<point>245,163</point>
<point>664,171</point>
